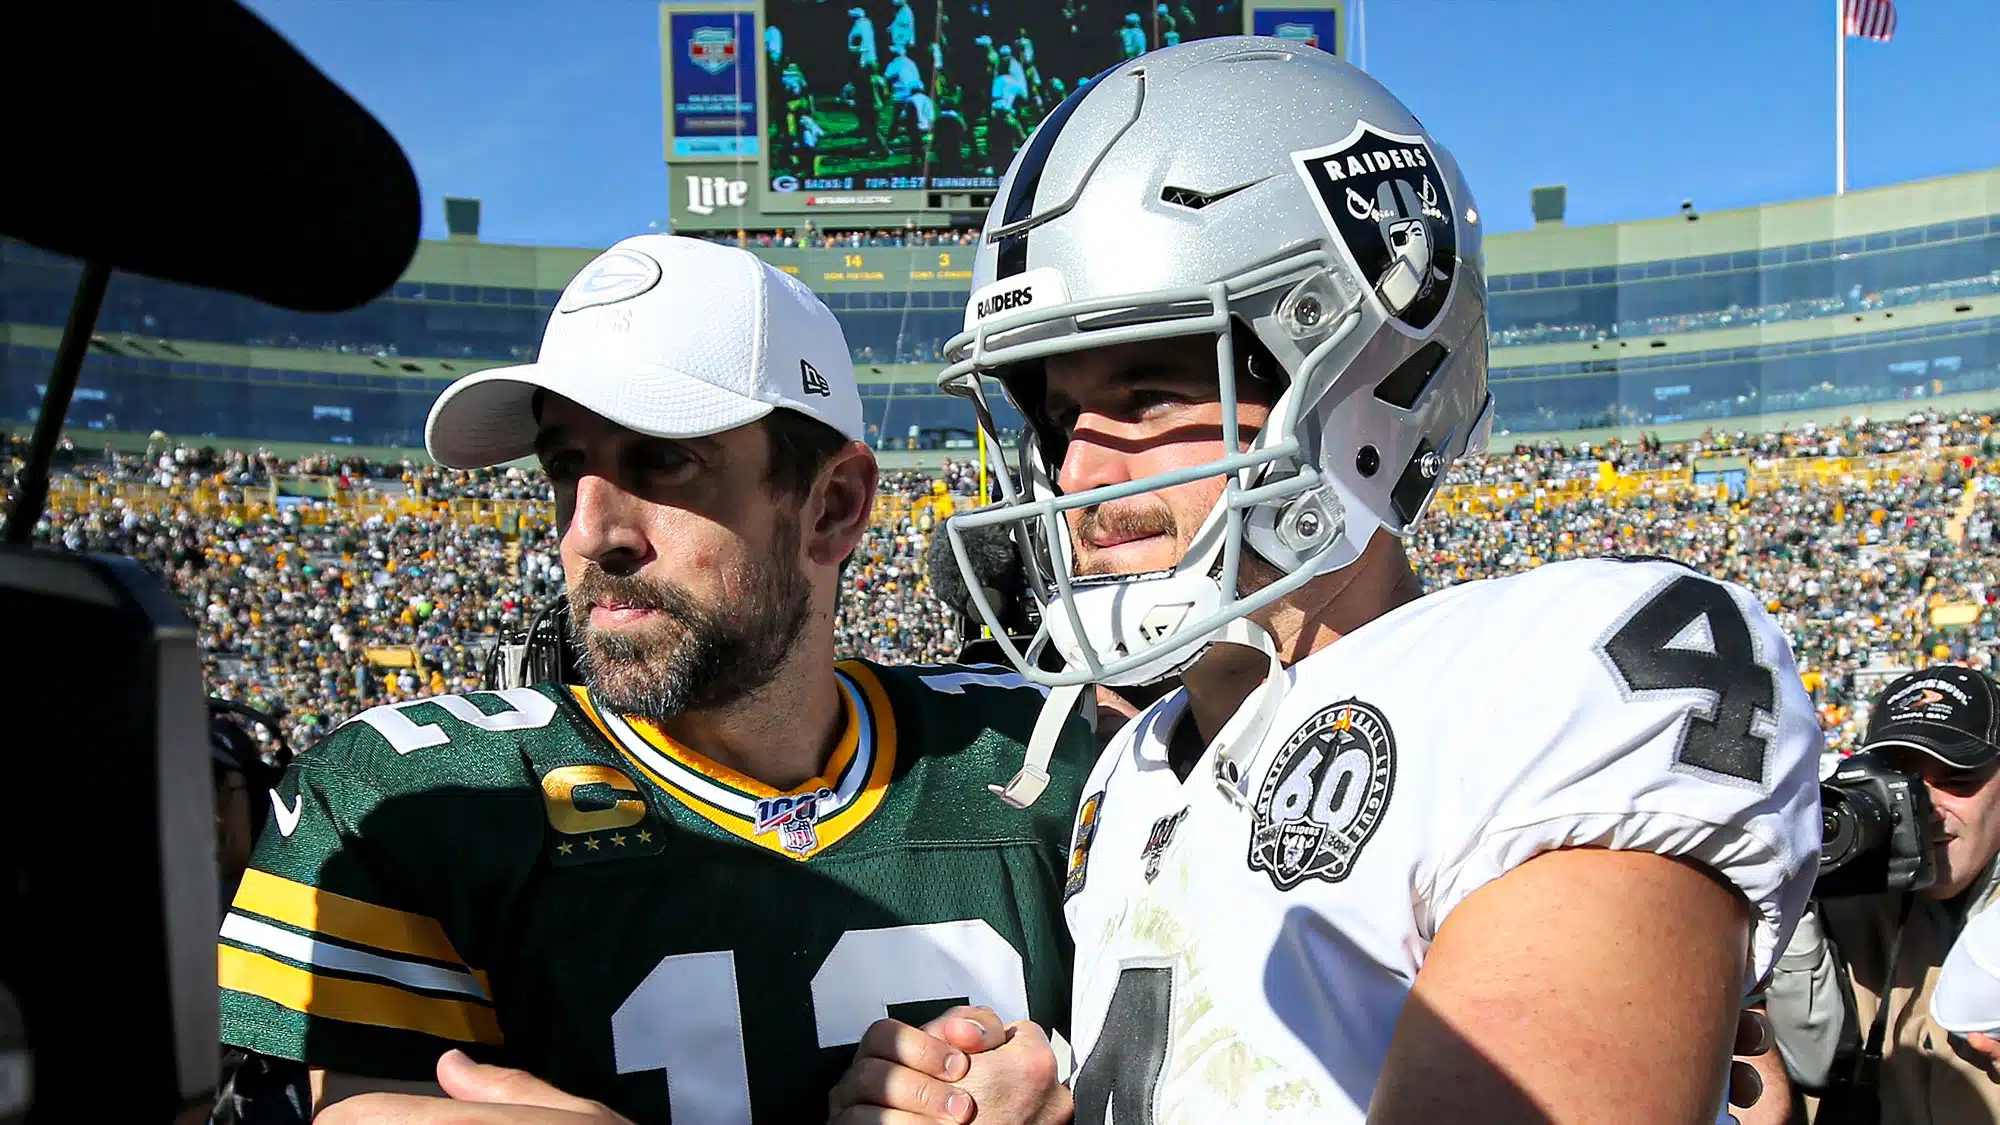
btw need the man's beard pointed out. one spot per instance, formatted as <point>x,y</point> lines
<point>697,658</point>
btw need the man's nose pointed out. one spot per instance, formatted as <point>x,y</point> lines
<point>603,526</point>
<point>1092,460</point>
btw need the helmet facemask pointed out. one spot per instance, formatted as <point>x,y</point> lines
<point>1138,628</point>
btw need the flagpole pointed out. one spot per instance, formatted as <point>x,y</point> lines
<point>1839,97</point>
<point>1361,39</point>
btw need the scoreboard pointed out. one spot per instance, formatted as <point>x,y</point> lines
<point>844,113</point>
<point>877,268</point>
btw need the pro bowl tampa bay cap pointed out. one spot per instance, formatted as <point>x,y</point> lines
<point>1948,712</point>
<point>668,336</point>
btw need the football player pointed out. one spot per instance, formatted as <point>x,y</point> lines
<point>1511,851</point>
<point>682,891</point>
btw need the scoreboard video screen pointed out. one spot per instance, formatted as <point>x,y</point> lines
<point>937,95</point>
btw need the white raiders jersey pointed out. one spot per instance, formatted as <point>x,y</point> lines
<point>1247,959</point>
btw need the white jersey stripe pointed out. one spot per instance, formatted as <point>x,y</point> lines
<point>955,683</point>
<point>267,938</point>
<point>728,800</point>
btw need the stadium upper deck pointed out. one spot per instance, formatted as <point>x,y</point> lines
<point>1829,305</point>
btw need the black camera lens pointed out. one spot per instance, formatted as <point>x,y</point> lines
<point>1875,831</point>
<point>1852,823</point>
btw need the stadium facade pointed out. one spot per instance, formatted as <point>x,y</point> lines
<point>1885,298</point>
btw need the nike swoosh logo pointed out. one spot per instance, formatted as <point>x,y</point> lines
<point>288,819</point>
<point>1195,200</point>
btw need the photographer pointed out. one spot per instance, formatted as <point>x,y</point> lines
<point>244,777</point>
<point>1851,999</point>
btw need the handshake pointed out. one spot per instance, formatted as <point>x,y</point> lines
<point>965,1061</point>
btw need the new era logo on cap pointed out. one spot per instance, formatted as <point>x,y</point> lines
<point>812,381</point>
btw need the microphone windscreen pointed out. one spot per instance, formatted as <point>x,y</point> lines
<point>188,141</point>
<point>995,564</point>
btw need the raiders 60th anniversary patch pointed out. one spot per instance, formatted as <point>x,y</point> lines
<point>1324,795</point>
<point>1385,198</point>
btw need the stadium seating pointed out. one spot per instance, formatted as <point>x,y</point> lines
<point>1875,543</point>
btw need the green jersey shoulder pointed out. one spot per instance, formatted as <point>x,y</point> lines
<point>522,874</point>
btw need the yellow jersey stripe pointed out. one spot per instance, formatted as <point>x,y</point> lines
<point>349,919</point>
<point>353,1001</point>
<point>863,806</point>
<point>263,937</point>
<point>833,828</point>
<point>694,760</point>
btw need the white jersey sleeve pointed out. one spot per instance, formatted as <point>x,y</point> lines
<point>1633,704</point>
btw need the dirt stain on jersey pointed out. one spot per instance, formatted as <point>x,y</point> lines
<point>1212,1068</point>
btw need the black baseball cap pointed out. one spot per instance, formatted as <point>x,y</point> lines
<point>1948,712</point>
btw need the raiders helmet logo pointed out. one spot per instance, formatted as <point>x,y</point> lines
<point>1384,198</point>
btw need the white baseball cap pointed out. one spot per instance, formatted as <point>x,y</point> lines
<point>668,336</point>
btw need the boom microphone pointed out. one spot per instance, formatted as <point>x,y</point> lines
<point>279,185</point>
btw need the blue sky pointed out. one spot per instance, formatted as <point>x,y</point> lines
<point>549,110</point>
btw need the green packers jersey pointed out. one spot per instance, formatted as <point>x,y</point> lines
<point>557,888</point>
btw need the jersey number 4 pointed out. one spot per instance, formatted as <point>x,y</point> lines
<point>686,1017</point>
<point>1120,1079</point>
<point>1692,636</point>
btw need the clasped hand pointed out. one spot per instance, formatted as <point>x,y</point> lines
<point>965,1062</point>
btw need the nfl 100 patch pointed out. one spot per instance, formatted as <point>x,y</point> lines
<point>795,819</point>
<point>1324,795</point>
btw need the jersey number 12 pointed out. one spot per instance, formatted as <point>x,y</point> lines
<point>686,1017</point>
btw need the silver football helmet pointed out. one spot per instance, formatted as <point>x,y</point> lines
<point>1271,197</point>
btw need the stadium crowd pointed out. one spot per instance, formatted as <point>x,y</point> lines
<point>1856,437</point>
<point>292,603</point>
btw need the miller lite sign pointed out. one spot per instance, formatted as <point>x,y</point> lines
<point>705,194</point>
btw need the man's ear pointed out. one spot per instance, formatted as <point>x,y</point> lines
<point>842,503</point>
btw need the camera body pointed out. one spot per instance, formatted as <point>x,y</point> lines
<point>541,653</point>
<point>1875,831</point>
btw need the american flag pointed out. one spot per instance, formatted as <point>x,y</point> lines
<point>1872,19</point>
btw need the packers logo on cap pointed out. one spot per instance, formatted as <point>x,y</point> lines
<point>618,274</point>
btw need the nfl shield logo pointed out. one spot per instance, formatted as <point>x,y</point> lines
<point>713,48</point>
<point>794,819</point>
<point>1297,32</point>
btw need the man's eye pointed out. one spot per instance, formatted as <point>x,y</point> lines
<point>1961,786</point>
<point>563,467</point>
<point>1142,403</point>
<point>660,458</point>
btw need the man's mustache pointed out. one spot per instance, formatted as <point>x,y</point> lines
<point>1126,523</point>
<point>594,587</point>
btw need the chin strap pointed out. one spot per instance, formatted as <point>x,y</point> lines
<point>1237,742</point>
<point>1234,746</point>
<point>1034,775</point>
